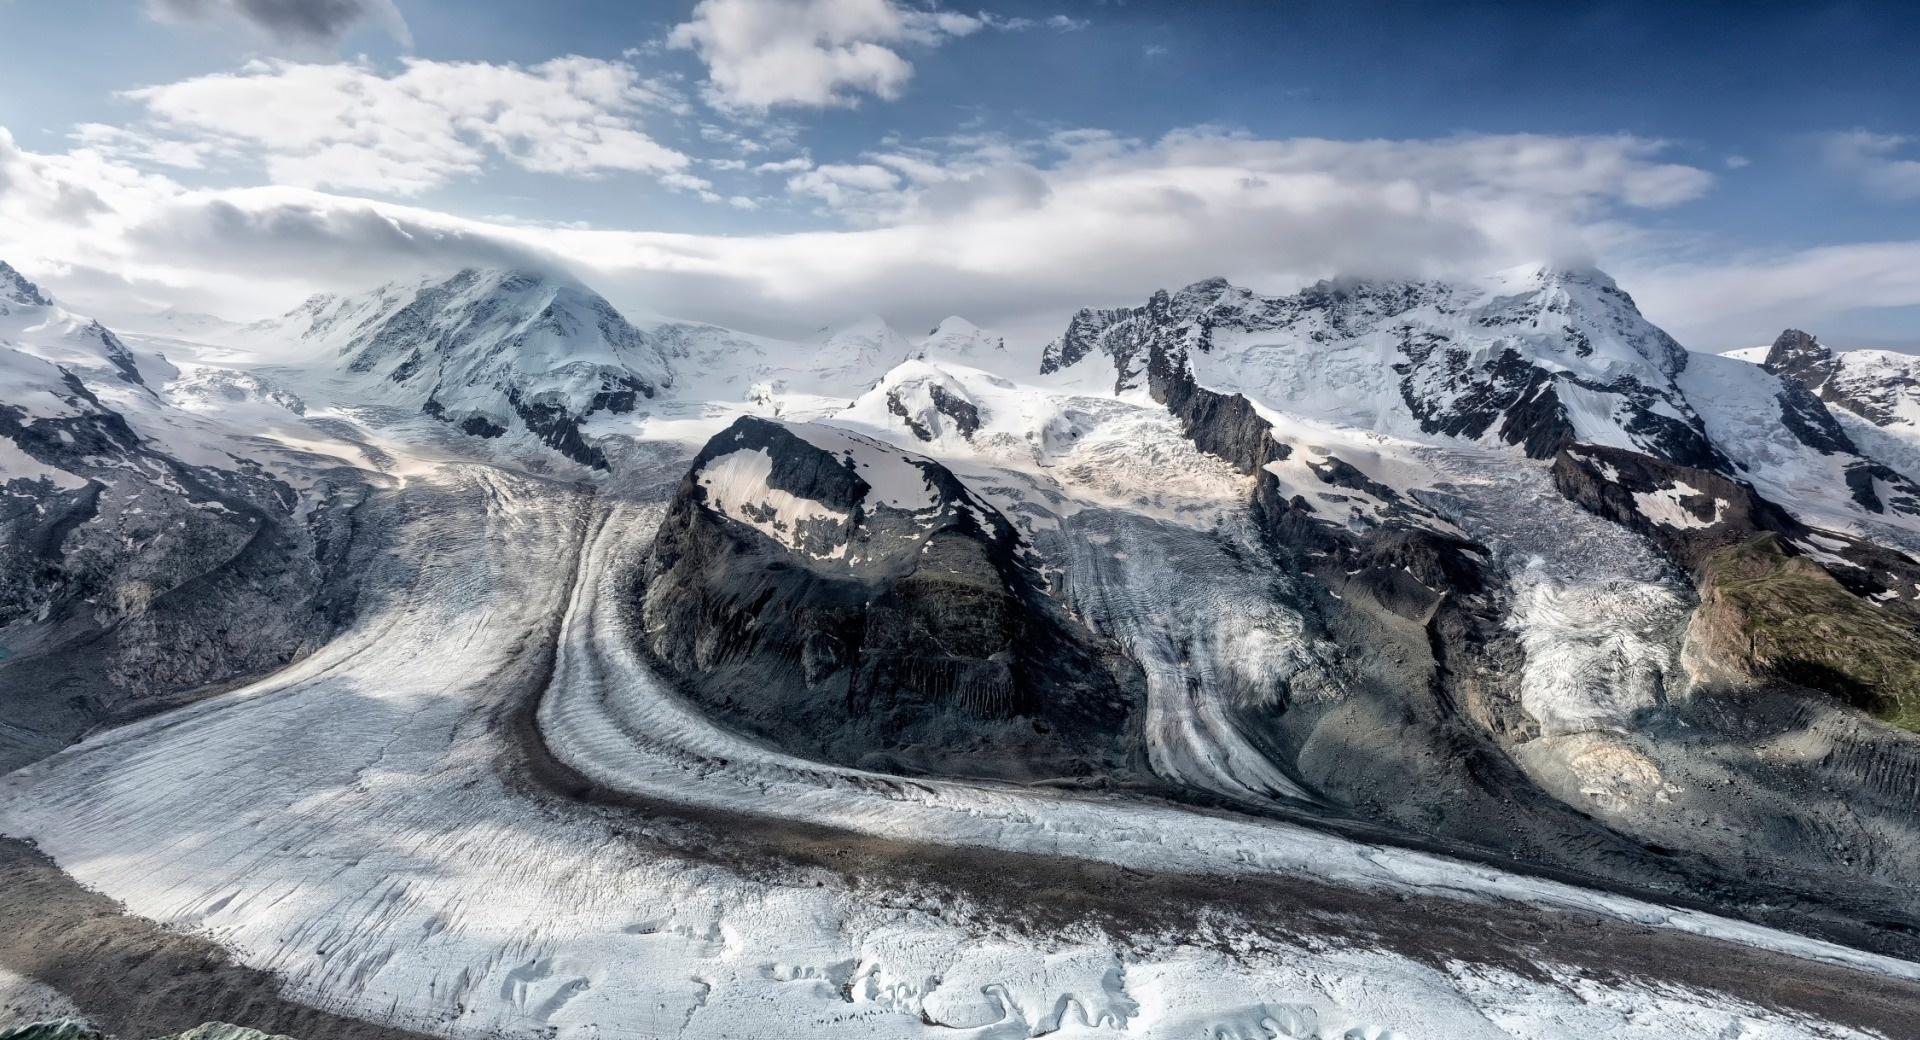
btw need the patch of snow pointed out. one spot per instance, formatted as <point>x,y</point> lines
<point>16,464</point>
<point>737,488</point>
<point>1664,506</point>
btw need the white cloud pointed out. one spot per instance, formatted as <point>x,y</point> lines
<point>685,182</point>
<point>839,186</point>
<point>728,165</point>
<point>793,165</point>
<point>1011,234</point>
<point>1058,22</point>
<point>811,53</point>
<point>1874,160</point>
<point>353,127</point>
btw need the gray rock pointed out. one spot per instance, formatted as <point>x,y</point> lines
<point>919,642</point>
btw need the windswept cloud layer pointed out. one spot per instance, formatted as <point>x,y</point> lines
<point>1887,164</point>
<point>1745,300</point>
<point>353,127</point>
<point>1203,170</point>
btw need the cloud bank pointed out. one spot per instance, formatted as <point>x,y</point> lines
<point>1015,234</point>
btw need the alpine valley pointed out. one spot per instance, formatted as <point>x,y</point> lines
<point>467,658</point>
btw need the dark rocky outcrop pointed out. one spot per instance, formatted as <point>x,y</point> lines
<point>963,413</point>
<point>1798,356</point>
<point>1808,420</point>
<point>918,640</point>
<point>1879,488</point>
<point>1723,510</point>
<point>558,428</point>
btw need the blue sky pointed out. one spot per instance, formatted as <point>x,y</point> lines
<point>783,162</point>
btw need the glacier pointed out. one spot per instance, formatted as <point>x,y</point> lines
<point>479,810</point>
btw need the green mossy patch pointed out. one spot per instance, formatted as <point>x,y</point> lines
<point>1778,616</point>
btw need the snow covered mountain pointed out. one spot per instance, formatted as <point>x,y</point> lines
<point>844,680</point>
<point>147,547</point>
<point>1533,357</point>
<point>863,346</point>
<point>489,352</point>
<point>957,339</point>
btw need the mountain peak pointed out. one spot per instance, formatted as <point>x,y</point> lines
<point>865,341</point>
<point>953,324</point>
<point>15,288</point>
<point>864,325</point>
<point>1541,277</point>
<point>1212,285</point>
<point>516,278</point>
<point>1801,356</point>
<point>957,337</point>
<point>1585,274</point>
<point>1797,340</point>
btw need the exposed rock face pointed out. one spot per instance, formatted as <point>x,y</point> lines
<point>1691,514</point>
<point>17,290</point>
<point>155,579</point>
<point>1808,419</point>
<point>1403,556</point>
<point>1801,358</point>
<point>1688,512</point>
<point>850,601</point>
<point>130,579</point>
